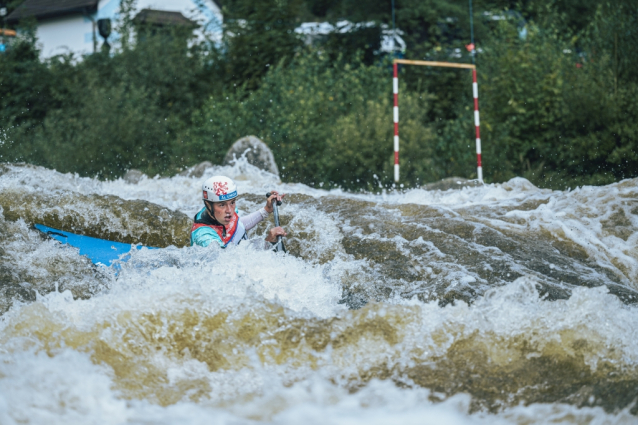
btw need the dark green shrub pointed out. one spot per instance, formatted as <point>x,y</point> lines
<point>556,117</point>
<point>327,123</point>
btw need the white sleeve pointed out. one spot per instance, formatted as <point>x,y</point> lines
<point>251,220</point>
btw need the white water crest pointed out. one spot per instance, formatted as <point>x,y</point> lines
<point>497,304</point>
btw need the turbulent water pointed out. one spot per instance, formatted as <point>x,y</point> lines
<point>497,304</point>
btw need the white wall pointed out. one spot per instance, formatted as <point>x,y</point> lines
<point>65,34</point>
<point>74,33</point>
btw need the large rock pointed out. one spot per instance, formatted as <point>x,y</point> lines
<point>196,170</point>
<point>133,176</point>
<point>257,154</point>
<point>451,183</point>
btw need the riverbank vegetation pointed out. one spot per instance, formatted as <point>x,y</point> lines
<point>558,85</point>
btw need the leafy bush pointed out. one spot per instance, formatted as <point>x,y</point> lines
<point>327,123</point>
<point>105,114</point>
<point>555,116</point>
<point>557,107</point>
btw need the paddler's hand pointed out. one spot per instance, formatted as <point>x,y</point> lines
<point>273,233</point>
<point>274,196</point>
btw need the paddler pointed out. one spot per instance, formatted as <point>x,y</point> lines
<point>219,221</point>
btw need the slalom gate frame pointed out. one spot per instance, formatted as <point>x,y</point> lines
<point>395,87</point>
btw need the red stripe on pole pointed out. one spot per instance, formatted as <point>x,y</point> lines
<point>479,166</point>
<point>395,90</point>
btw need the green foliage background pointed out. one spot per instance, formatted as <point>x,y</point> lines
<point>558,106</point>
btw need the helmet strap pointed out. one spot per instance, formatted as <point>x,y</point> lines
<point>211,213</point>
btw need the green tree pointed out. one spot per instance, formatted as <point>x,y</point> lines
<point>104,114</point>
<point>257,35</point>
<point>25,97</point>
<point>327,122</point>
<point>555,116</point>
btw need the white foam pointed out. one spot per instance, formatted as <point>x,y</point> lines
<point>61,389</point>
<point>67,387</point>
<point>48,367</point>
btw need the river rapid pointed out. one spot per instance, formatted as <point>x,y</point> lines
<point>498,304</point>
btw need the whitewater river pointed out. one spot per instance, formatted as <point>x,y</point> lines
<point>497,304</point>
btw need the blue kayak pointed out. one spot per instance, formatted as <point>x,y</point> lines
<point>99,251</point>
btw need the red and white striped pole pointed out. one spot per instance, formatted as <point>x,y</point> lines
<point>477,124</point>
<point>395,87</point>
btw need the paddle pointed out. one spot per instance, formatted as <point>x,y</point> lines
<point>279,246</point>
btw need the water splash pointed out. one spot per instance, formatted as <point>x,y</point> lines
<point>494,304</point>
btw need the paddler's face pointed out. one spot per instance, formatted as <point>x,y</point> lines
<point>224,211</point>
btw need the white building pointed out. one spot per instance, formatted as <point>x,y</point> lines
<point>70,26</point>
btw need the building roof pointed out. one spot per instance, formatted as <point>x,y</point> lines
<point>162,17</point>
<point>50,8</point>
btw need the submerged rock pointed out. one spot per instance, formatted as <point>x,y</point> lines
<point>198,170</point>
<point>133,176</point>
<point>451,183</point>
<point>99,216</point>
<point>257,154</point>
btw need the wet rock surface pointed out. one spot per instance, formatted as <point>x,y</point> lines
<point>101,216</point>
<point>197,171</point>
<point>257,153</point>
<point>133,176</point>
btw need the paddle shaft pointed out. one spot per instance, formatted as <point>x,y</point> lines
<point>274,205</point>
<point>280,245</point>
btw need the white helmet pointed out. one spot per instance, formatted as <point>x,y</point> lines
<point>218,189</point>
